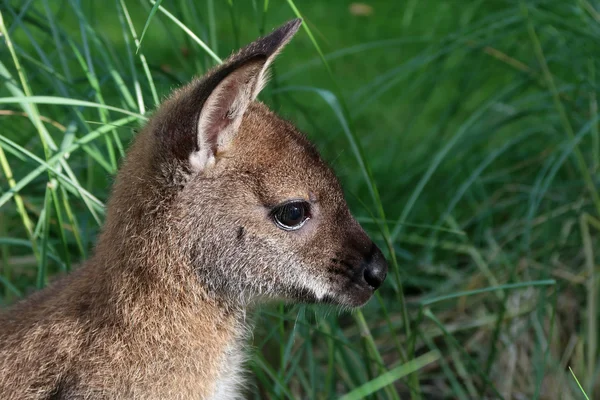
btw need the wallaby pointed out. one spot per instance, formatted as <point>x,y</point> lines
<point>219,205</point>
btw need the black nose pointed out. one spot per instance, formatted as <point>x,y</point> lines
<point>375,268</point>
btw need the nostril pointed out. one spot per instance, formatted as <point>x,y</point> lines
<point>374,275</point>
<point>375,268</point>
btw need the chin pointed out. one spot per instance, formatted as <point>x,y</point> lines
<point>351,296</point>
<point>354,297</point>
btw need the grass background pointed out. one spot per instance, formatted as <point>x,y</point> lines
<point>465,133</point>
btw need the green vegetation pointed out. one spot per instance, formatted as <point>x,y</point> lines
<point>466,135</point>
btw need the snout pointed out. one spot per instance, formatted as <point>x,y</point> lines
<point>356,272</point>
<point>374,268</point>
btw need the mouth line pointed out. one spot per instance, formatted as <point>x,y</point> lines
<point>350,294</point>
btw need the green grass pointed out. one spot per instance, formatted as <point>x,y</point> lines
<point>467,138</point>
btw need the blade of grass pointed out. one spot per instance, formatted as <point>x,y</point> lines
<point>564,118</point>
<point>57,41</point>
<point>43,265</point>
<point>32,110</point>
<point>594,115</point>
<point>458,390</point>
<point>579,384</point>
<point>27,244</point>
<point>212,25</point>
<point>27,224</point>
<point>189,33</point>
<point>73,222</point>
<point>125,13</point>
<point>264,366</point>
<point>147,24</point>
<point>59,175</point>
<point>61,227</point>
<point>47,142</point>
<point>11,288</point>
<point>62,101</point>
<point>6,272</point>
<point>509,286</point>
<point>444,151</point>
<point>475,368</point>
<point>365,333</point>
<point>392,376</point>
<point>16,187</point>
<point>585,220</point>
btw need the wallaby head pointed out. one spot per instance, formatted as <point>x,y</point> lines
<point>244,198</point>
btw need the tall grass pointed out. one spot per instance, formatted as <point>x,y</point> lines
<point>467,138</point>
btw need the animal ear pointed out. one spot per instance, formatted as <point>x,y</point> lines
<point>232,87</point>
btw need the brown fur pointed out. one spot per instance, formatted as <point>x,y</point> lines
<point>159,309</point>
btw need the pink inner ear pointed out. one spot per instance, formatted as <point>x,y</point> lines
<point>222,112</point>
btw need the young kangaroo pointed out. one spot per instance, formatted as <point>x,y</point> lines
<point>219,204</point>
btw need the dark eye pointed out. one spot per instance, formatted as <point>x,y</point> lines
<point>291,216</point>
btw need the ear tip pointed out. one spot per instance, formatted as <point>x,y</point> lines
<point>283,34</point>
<point>290,28</point>
<point>267,46</point>
<point>293,25</point>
